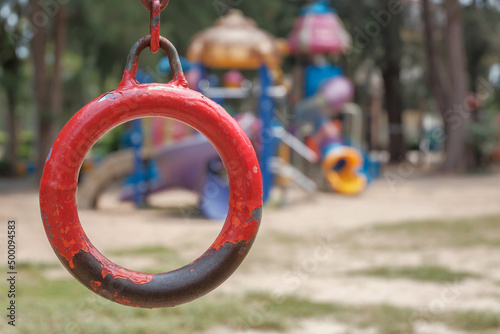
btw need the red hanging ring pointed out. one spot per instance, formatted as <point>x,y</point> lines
<point>130,101</point>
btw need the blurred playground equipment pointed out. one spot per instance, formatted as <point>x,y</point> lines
<point>190,163</point>
<point>319,30</point>
<point>321,96</point>
<point>197,168</point>
<point>236,43</point>
<point>326,127</point>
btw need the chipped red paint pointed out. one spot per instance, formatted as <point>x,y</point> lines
<point>126,302</point>
<point>67,239</point>
<point>59,185</point>
<point>95,285</point>
<point>110,268</point>
<point>237,228</point>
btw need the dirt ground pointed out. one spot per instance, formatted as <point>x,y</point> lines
<point>298,250</point>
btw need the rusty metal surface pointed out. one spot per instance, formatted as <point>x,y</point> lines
<point>165,44</point>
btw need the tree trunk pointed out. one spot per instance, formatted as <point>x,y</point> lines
<point>10,81</point>
<point>449,84</point>
<point>393,101</point>
<point>11,152</point>
<point>60,41</point>
<point>11,76</point>
<point>393,105</point>
<point>48,91</point>
<point>38,43</point>
<point>457,118</point>
<point>439,87</point>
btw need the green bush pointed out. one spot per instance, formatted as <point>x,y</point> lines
<point>26,142</point>
<point>483,135</point>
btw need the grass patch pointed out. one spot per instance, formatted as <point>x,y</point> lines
<point>35,266</point>
<point>287,239</point>
<point>426,273</point>
<point>474,322</point>
<point>145,250</point>
<point>66,306</point>
<point>458,233</point>
<point>163,258</point>
<point>386,319</point>
<point>58,306</point>
<point>268,313</point>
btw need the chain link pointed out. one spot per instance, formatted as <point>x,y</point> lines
<point>148,4</point>
<point>155,7</point>
<point>155,26</point>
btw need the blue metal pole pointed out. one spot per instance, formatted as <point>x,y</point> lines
<point>139,175</point>
<point>266,113</point>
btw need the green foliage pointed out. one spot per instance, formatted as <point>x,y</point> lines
<point>100,34</point>
<point>484,134</point>
<point>26,143</point>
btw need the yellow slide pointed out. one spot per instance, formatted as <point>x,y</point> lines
<point>341,167</point>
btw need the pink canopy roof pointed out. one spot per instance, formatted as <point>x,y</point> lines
<point>319,33</point>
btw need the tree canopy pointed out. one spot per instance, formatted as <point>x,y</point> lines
<point>97,36</point>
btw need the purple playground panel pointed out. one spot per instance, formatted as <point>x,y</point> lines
<point>194,164</point>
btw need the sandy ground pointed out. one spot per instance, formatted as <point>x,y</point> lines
<point>308,260</point>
